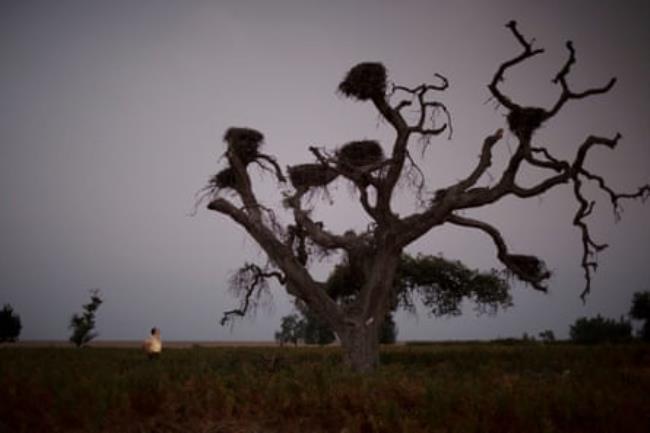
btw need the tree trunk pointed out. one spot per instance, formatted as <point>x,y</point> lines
<point>360,347</point>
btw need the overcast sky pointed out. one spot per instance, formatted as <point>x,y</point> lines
<point>112,113</point>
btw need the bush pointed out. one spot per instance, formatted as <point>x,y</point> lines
<point>292,330</point>
<point>640,310</point>
<point>600,330</point>
<point>547,336</point>
<point>10,325</point>
<point>83,325</point>
<point>317,332</point>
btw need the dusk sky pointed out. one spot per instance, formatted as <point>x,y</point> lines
<point>112,115</point>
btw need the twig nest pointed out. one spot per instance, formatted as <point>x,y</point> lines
<point>529,266</point>
<point>311,175</point>
<point>244,142</point>
<point>524,121</point>
<point>226,178</point>
<point>360,153</point>
<point>365,81</point>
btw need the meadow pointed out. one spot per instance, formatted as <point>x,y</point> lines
<point>471,387</point>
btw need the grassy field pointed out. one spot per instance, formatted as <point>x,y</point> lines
<point>419,388</point>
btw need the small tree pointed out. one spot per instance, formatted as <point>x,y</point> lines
<point>388,331</point>
<point>547,336</point>
<point>600,330</point>
<point>640,310</point>
<point>83,325</point>
<point>292,330</point>
<point>10,325</point>
<point>315,331</point>
<point>374,253</point>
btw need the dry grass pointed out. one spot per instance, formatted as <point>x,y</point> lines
<point>424,388</point>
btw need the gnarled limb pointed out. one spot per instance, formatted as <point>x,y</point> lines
<point>567,94</point>
<point>424,105</point>
<point>251,280</point>
<point>499,75</point>
<point>527,268</point>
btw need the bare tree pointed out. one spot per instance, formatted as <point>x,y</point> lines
<point>375,252</point>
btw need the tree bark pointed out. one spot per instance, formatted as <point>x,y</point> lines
<point>360,343</point>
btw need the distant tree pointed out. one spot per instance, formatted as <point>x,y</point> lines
<point>316,331</point>
<point>640,310</point>
<point>388,331</point>
<point>525,338</point>
<point>83,325</point>
<point>415,116</point>
<point>10,325</point>
<point>600,330</point>
<point>291,330</point>
<point>547,336</point>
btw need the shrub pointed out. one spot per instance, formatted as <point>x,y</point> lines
<point>600,330</point>
<point>83,325</point>
<point>640,310</point>
<point>10,325</point>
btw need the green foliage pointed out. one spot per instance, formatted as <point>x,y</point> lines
<point>640,310</point>
<point>641,306</point>
<point>291,330</point>
<point>388,331</point>
<point>83,325</point>
<point>600,330</point>
<point>441,284</point>
<point>10,325</point>
<point>315,331</point>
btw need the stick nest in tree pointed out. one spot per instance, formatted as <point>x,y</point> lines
<point>244,142</point>
<point>360,153</point>
<point>524,121</point>
<point>226,178</point>
<point>365,81</point>
<point>311,175</point>
<point>529,266</point>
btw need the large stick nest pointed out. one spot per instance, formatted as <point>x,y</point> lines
<point>528,266</point>
<point>311,175</point>
<point>365,81</point>
<point>524,121</point>
<point>244,142</point>
<point>226,178</point>
<point>360,153</point>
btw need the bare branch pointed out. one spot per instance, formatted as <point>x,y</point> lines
<point>360,176</point>
<point>420,93</point>
<point>249,279</point>
<point>527,268</point>
<point>589,247</point>
<point>642,192</point>
<point>499,75</point>
<point>567,94</point>
<point>485,161</point>
<point>269,159</point>
<point>551,162</point>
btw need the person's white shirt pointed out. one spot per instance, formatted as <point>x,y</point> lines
<point>153,344</point>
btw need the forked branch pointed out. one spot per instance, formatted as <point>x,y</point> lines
<point>527,268</point>
<point>499,75</point>
<point>251,280</point>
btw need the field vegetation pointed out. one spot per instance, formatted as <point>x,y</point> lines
<point>457,387</point>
